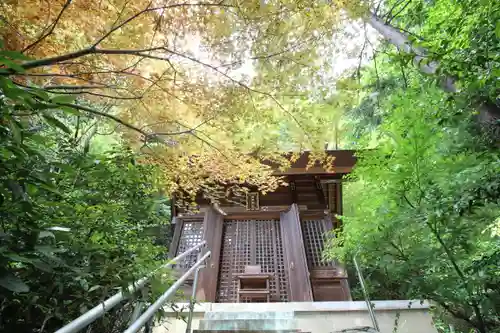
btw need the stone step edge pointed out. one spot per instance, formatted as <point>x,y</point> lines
<point>221,315</point>
<point>248,324</point>
<point>248,331</point>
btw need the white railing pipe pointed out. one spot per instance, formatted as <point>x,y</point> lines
<point>99,310</point>
<point>150,312</point>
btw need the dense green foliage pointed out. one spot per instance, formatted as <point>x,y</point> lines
<point>80,216</point>
<point>75,224</point>
<point>423,205</point>
<point>464,36</point>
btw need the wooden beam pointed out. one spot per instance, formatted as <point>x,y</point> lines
<point>314,170</point>
<point>230,210</point>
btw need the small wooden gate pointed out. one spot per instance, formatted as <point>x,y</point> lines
<point>252,242</point>
<point>328,279</point>
<point>314,232</point>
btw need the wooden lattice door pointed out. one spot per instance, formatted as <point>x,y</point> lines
<point>328,279</point>
<point>314,232</point>
<point>190,236</point>
<point>252,242</point>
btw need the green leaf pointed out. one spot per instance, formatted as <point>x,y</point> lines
<point>497,29</point>
<point>17,258</point>
<point>11,64</point>
<point>41,265</point>
<point>16,189</point>
<point>63,99</point>
<point>47,249</point>
<point>54,122</point>
<point>14,55</point>
<point>50,188</point>
<point>45,234</point>
<point>12,91</point>
<point>64,166</point>
<point>16,130</point>
<point>41,93</point>
<point>13,283</point>
<point>69,110</point>
<point>94,288</point>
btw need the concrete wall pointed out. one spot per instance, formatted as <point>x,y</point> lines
<point>323,317</point>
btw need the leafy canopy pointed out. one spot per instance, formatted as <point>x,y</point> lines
<point>222,81</point>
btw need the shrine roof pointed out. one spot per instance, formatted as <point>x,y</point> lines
<point>343,163</point>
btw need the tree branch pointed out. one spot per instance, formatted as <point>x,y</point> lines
<point>74,76</point>
<point>401,66</point>
<point>401,253</point>
<point>152,9</point>
<point>82,87</point>
<point>99,95</point>
<point>378,7</point>
<point>147,136</point>
<point>389,12</point>
<point>455,313</point>
<point>365,42</point>
<point>475,306</point>
<point>51,29</point>
<point>140,52</point>
<point>389,19</point>
<point>52,60</point>
<point>408,201</point>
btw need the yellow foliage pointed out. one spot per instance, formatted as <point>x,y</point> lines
<point>208,89</point>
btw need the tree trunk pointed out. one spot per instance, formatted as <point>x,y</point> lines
<point>403,43</point>
<point>489,112</point>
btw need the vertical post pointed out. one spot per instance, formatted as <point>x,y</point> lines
<point>293,190</point>
<point>319,191</point>
<point>212,234</point>
<point>295,254</point>
<point>172,251</point>
<point>339,208</point>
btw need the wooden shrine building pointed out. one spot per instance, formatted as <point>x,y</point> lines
<point>269,248</point>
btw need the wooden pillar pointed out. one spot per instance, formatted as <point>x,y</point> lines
<point>341,272</point>
<point>212,233</point>
<point>338,196</point>
<point>172,251</point>
<point>293,244</point>
<point>319,191</point>
<point>293,190</point>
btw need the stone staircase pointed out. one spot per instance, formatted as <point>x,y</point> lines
<point>248,322</point>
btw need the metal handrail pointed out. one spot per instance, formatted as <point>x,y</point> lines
<point>150,312</point>
<point>99,310</point>
<point>192,301</point>
<point>366,295</point>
